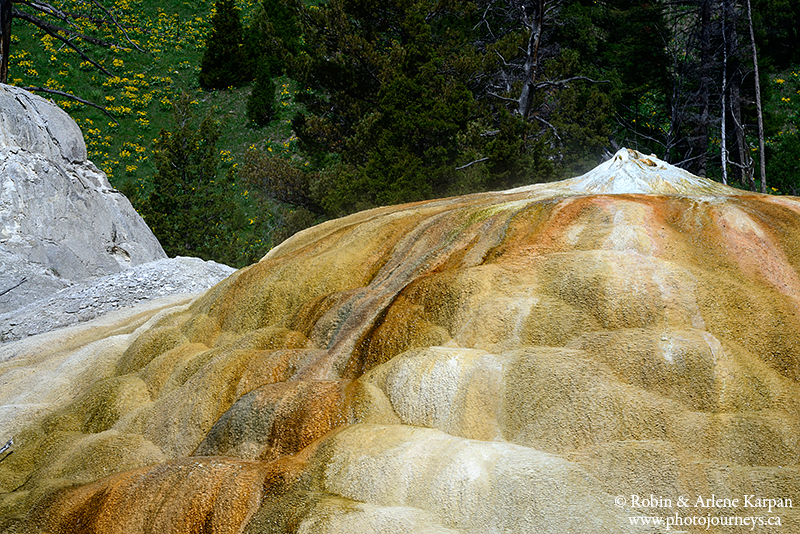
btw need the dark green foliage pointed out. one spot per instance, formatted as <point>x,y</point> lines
<point>191,208</point>
<point>292,221</point>
<point>777,25</point>
<point>284,23</point>
<point>621,42</point>
<point>512,153</point>
<point>276,178</point>
<point>582,116</point>
<point>783,169</point>
<point>420,99</point>
<point>261,105</point>
<point>407,150</point>
<point>388,96</point>
<point>225,63</point>
<point>633,46</point>
<point>273,36</point>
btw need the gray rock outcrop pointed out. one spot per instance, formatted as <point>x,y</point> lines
<point>61,222</point>
<point>84,301</point>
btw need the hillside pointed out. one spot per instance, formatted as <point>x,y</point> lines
<point>414,102</point>
<point>140,94</point>
<point>172,35</point>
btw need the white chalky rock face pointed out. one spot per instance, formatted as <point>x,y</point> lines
<point>557,358</point>
<point>60,219</point>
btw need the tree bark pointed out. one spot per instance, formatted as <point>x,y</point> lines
<point>744,162</point>
<point>5,38</point>
<point>534,22</point>
<point>723,143</point>
<point>701,133</point>
<point>759,113</point>
<point>737,152</point>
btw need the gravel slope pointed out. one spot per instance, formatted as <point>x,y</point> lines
<point>84,301</point>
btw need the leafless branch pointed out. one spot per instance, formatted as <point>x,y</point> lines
<point>501,57</point>
<point>52,27</point>
<point>53,31</point>
<point>687,160</point>
<point>565,81</point>
<point>637,133</point>
<point>555,132</point>
<point>118,25</point>
<point>472,163</point>
<point>45,8</point>
<point>501,97</point>
<point>550,8</point>
<point>73,97</point>
<point>484,21</point>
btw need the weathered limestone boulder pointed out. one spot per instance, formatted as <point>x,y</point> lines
<point>60,219</point>
<point>558,358</point>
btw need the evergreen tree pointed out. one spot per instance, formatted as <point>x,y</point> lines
<point>777,25</point>
<point>284,22</point>
<point>420,100</point>
<point>191,209</point>
<point>273,36</point>
<point>388,98</point>
<point>224,61</point>
<point>261,102</point>
<point>414,99</point>
<point>784,162</point>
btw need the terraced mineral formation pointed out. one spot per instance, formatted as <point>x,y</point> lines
<point>552,359</point>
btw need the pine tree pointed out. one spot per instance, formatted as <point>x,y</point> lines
<point>273,36</point>
<point>261,103</point>
<point>191,209</point>
<point>224,61</point>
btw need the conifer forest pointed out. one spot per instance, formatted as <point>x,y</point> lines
<point>232,124</point>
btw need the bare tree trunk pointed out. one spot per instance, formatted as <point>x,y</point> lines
<point>676,47</point>
<point>761,154</point>
<point>737,156</point>
<point>5,38</point>
<point>534,22</point>
<point>744,162</point>
<point>723,118</point>
<point>701,132</point>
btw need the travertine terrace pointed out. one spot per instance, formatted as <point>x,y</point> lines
<point>503,362</point>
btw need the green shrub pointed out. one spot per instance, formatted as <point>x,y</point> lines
<point>783,163</point>
<point>293,221</point>
<point>277,178</point>
<point>191,208</point>
<point>273,36</point>
<point>224,61</point>
<point>261,105</point>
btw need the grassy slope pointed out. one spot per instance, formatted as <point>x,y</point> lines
<point>172,34</point>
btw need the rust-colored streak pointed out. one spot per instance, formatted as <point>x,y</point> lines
<point>277,420</point>
<point>192,496</point>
